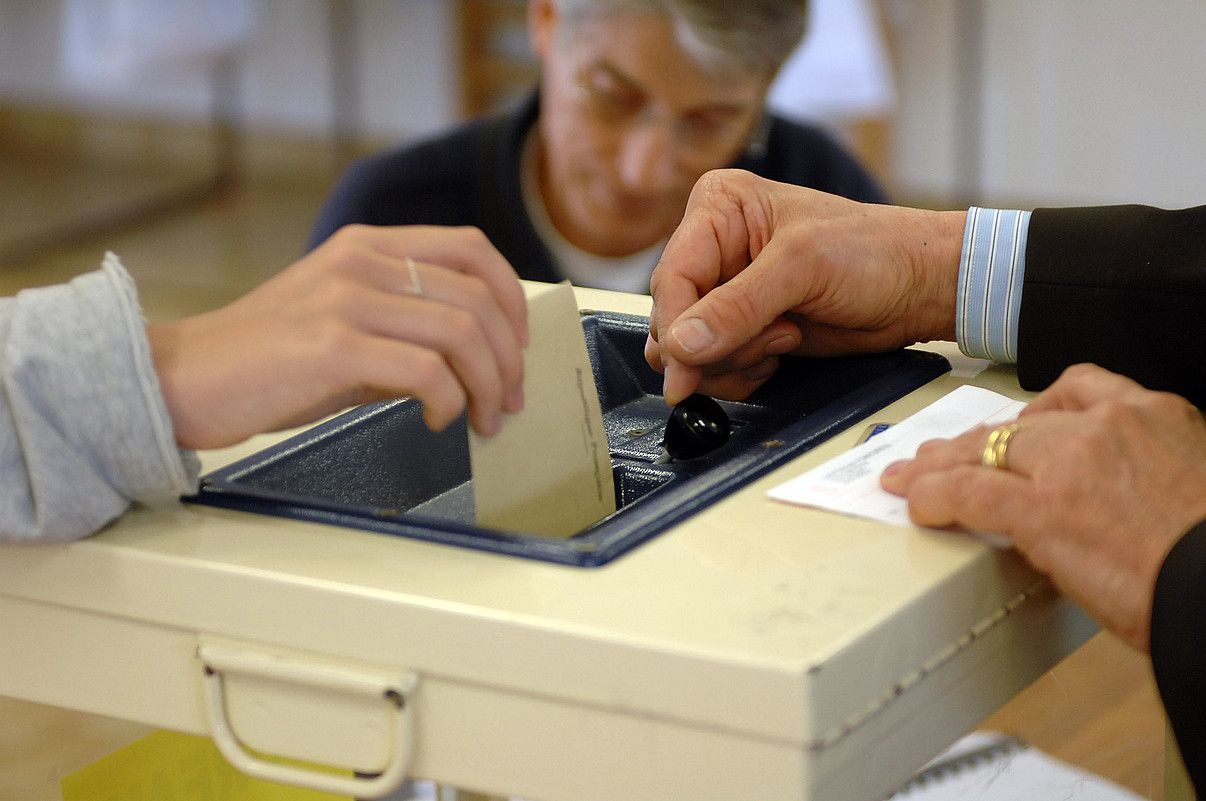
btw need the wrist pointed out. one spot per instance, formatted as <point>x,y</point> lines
<point>165,340</point>
<point>939,248</point>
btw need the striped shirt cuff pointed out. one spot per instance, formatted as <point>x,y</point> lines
<point>990,283</point>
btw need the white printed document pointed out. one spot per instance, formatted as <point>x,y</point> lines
<point>849,484</point>
<point>987,766</point>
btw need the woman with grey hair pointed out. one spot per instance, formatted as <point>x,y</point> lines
<point>588,177</point>
<point>753,35</point>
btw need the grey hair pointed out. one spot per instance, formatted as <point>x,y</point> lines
<point>752,35</point>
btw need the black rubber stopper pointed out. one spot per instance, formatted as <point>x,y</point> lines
<point>696,427</point>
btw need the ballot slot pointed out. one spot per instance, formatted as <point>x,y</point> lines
<point>379,469</point>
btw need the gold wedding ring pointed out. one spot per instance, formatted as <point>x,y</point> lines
<point>997,446</point>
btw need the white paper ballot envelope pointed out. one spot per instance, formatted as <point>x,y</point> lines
<point>548,471</point>
<point>849,484</point>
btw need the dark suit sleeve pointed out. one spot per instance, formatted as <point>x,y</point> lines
<point>1120,286</point>
<point>1178,646</point>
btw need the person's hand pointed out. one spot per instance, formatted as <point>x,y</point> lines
<point>347,324</point>
<point>758,269</point>
<point>1103,478</point>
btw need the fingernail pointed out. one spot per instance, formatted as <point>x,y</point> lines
<point>781,345</point>
<point>515,399</point>
<point>653,356</point>
<point>892,476</point>
<point>693,334</point>
<point>673,389</point>
<point>763,370</point>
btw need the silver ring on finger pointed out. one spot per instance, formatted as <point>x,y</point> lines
<point>416,286</point>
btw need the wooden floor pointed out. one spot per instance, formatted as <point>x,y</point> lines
<point>1097,710</point>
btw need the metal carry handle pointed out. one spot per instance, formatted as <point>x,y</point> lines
<point>218,660</point>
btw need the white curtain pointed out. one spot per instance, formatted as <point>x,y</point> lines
<point>841,70</point>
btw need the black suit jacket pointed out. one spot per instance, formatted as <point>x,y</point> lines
<point>1125,287</point>
<point>1120,286</point>
<point>471,176</point>
<point>1178,645</point>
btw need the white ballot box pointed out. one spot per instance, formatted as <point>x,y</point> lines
<point>747,649</point>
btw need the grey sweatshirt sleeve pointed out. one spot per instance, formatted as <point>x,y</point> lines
<point>84,430</point>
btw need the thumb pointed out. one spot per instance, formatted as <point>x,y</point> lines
<point>732,314</point>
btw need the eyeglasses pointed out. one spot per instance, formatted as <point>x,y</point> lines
<point>700,133</point>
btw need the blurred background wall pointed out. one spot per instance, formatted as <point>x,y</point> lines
<point>1009,101</point>
<point>1075,101</point>
<point>121,113</point>
<point>405,53</point>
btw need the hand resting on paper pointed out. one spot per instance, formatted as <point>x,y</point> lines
<point>1103,478</point>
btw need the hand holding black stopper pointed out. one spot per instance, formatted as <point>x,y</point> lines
<point>697,426</point>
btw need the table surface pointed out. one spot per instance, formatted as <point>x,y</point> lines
<point>711,625</point>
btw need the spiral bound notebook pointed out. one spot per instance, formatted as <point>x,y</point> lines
<point>986,766</point>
